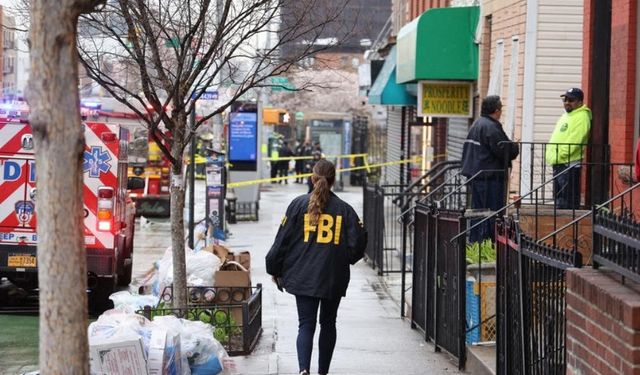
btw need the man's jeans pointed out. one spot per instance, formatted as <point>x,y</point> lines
<point>566,187</point>
<point>307,315</point>
<point>487,194</point>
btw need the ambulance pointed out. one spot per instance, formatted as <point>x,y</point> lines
<point>108,211</point>
<point>146,160</point>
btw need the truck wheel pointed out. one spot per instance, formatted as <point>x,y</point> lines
<point>127,268</point>
<point>99,301</point>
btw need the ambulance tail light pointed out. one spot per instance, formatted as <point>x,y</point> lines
<point>108,137</point>
<point>105,208</point>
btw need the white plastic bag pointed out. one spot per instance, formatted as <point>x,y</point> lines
<point>130,303</point>
<point>201,267</point>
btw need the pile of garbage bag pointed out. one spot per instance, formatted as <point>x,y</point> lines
<point>122,342</point>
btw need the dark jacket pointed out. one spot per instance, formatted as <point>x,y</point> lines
<point>483,149</point>
<point>314,261</point>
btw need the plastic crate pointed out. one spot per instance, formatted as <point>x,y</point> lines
<point>235,313</point>
<point>480,310</point>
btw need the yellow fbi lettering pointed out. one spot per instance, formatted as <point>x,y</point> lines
<point>328,228</point>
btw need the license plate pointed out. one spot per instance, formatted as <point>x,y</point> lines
<point>21,261</point>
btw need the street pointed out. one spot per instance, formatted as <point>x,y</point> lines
<point>372,339</point>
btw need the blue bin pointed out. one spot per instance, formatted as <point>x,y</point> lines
<point>473,313</point>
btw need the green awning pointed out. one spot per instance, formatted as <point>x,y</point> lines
<point>385,90</point>
<point>439,45</point>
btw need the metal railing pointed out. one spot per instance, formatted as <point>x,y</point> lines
<point>616,234</point>
<point>385,246</point>
<point>531,306</point>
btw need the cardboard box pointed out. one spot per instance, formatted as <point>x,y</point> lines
<point>164,354</point>
<point>233,283</point>
<point>242,257</point>
<point>121,357</point>
<point>219,251</point>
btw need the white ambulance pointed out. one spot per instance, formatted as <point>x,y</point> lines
<point>108,211</point>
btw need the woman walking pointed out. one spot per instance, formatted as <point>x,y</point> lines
<point>319,237</point>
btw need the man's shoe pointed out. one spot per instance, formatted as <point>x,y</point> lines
<point>304,372</point>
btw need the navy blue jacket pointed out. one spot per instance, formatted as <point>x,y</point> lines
<point>483,149</point>
<point>314,260</point>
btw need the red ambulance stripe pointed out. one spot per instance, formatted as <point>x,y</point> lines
<point>91,204</point>
<point>90,200</point>
<point>98,128</point>
<point>11,193</point>
<point>12,134</point>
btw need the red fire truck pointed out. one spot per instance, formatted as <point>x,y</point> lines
<point>108,211</point>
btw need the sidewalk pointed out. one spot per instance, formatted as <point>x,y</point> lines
<point>372,339</point>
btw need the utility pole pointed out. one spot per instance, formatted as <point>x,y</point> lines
<point>192,177</point>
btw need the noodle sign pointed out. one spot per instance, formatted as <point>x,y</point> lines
<point>445,99</point>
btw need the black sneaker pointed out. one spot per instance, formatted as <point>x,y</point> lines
<point>304,372</point>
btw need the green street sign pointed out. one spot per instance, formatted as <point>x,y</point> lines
<point>281,84</point>
<point>299,115</point>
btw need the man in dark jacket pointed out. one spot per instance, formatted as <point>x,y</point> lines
<point>486,157</point>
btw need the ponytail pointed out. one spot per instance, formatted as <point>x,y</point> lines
<point>324,175</point>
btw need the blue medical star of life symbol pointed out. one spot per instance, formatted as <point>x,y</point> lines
<point>96,162</point>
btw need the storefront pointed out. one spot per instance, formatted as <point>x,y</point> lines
<point>438,53</point>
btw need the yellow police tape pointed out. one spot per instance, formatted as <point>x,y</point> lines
<point>305,175</point>
<point>311,157</point>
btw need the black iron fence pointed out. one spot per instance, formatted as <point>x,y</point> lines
<point>531,303</point>
<point>381,216</point>
<point>372,211</point>
<point>439,277</point>
<point>234,312</point>
<point>616,234</point>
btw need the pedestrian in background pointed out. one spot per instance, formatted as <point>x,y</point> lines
<point>299,164</point>
<point>315,157</point>
<point>319,237</point>
<point>283,164</point>
<point>565,150</point>
<point>487,151</point>
<point>275,155</point>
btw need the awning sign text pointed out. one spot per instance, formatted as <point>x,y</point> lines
<point>444,99</point>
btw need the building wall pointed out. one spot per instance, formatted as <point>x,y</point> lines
<point>502,20</point>
<point>9,56</point>
<point>558,61</point>
<point>404,11</point>
<point>603,324</point>
<point>2,14</point>
<point>623,78</point>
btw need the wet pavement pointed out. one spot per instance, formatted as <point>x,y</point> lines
<point>372,338</point>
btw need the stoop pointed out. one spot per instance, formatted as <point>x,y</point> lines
<point>481,360</point>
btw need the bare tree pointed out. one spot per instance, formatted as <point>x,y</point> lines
<point>181,48</point>
<point>330,90</point>
<point>59,139</point>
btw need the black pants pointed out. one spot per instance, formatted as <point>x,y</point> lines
<point>488,194</point>
<point>299,170</point>
<point>566,187</point>
<point>274,171</point>
<point>307,316</point>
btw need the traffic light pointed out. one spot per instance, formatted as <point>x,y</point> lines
<point>284,117</point>
<point>275,116</point>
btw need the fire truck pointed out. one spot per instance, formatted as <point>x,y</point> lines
<point>108,211</point>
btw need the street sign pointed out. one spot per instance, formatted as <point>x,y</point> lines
<point>281,84</point>
<point>207,95</point>
<point>299,115</point>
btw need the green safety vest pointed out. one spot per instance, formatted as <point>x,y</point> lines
<point>572,127</point>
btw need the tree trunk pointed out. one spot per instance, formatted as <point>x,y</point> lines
<point>55,119</point>
<point>177,214</point>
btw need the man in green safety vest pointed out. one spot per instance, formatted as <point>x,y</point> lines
<point>566,148</point>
